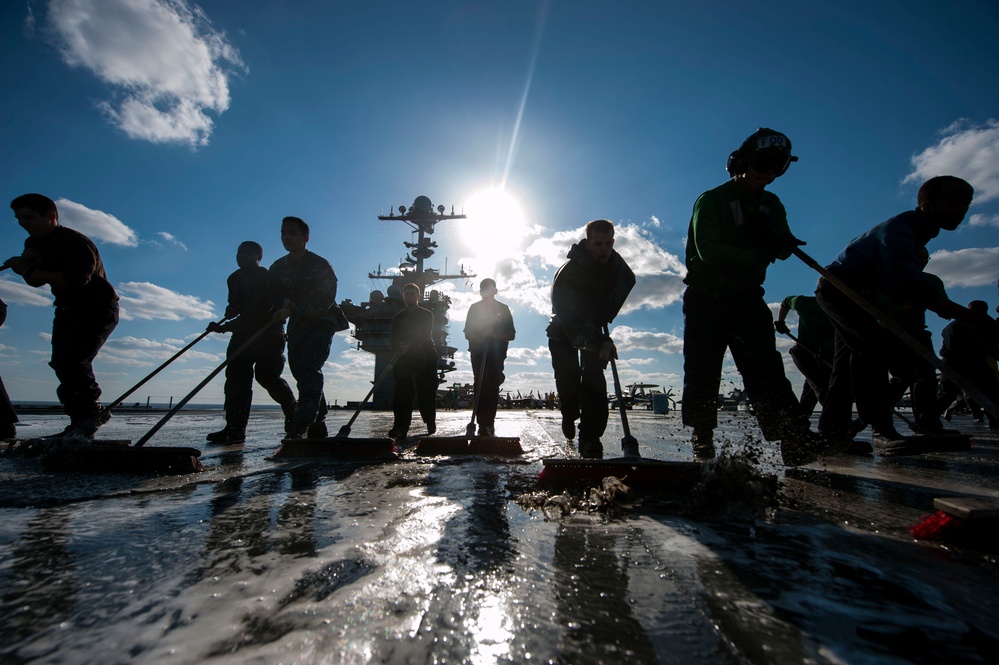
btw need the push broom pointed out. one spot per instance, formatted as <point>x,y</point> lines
<point>341,446</point>
<point>471,444</point>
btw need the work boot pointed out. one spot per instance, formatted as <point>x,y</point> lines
<point>932,427</point>
<point>888,442</point>
<point>397,433</point>
<point>431,427</point>
<point>317,430</point>
<point>591,448</point>
<point>703,443</point>
<point>8,431</point>
<point>227,435</point>
<point>84,426</point>
<point>289,416</point>
<point>487,431</point>
<point>569,429</point>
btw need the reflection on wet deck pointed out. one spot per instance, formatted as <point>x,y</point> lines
<point>433,560</point>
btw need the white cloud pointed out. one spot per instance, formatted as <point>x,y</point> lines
<point>18,292</point>
<point>170,238</point>
<point>975,266</point>
<point>142,300</point>
<point>95,224</point>
<point>144,352</point>
<point>166,61</point>
<point>629,339</point>
<point>967,151</point>
<point>983,220</point>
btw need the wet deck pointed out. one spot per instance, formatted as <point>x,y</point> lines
<point>453,560</point>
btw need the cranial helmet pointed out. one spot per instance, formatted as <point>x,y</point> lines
<point>765,150</point>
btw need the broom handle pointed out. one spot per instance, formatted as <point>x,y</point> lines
<point>160,368</point>
<point>927,355</point>
<point>374,386</point>
<point>170,414</point>
<point>617,391</point>
<point>808,350</point>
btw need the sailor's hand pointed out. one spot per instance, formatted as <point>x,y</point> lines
<point>778,244</point>
<point>20,264</point>
<point>215,327</point>
<point>607,351</point>
<point>282,314</point>
<point>782,328</point>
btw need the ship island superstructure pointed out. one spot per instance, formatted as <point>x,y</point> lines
<point>373,319</point>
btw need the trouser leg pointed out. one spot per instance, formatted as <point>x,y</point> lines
<point>593,411</point>
<point>568,377</point>
<point>269,366</point>
<point>307,353</point>
<point>754,351</point>
<point>487,385</point>
<point>705,338</point>
<point>860,372</point>
<point>238,385</point>
<point>8,417</point>
<point>816,374</point>
<point>76,339</point>
<point>425,383</point>
<point>402,401</point>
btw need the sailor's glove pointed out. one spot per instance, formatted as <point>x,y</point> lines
<point>215,327</point>
<point>782,328</point>
<point>779,244</point>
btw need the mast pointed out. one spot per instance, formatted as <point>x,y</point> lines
<point>373,319</point>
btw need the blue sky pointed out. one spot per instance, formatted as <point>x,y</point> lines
<point>170,131</point>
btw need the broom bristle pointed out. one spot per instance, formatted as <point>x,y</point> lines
<point>937,526</point>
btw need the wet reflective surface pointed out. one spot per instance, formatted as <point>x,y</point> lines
<point>436,561</point>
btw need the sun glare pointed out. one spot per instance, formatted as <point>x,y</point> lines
<point>496,225</point>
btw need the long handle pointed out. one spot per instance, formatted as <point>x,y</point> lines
<point>808,350</point>
<point>617,391</point>
<point>927,355</point>
<point>345,430</point>
<point>160,368</point>
<point>170,414</point>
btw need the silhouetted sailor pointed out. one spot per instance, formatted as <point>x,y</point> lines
<point>86,305</point>
<point>489,330</point>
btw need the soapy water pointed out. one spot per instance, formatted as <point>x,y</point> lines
<point>443,561</point>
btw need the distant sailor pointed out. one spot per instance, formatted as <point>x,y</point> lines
<point>303,289</point>
<point>489,330</point>
<point>86,306</point>
<point>250,309</point>
<point>415,369</point>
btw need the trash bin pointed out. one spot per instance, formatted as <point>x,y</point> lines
<point>660,403</point>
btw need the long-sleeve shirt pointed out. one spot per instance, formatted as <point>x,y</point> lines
<point>489,320</point>
<point>73,254</point>
<point>310,284</point>
<point>885,258</point>
<point>250,306</point>
<point>727,227</point>
<point>586,296</point>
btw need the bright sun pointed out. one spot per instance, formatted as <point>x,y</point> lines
<point>496,226</point>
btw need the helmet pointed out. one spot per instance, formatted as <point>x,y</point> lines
<point>764,150</point>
